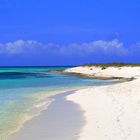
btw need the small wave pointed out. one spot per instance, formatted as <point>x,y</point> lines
<point>33,112</point>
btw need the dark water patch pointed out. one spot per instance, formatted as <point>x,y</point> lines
<point>22,75</point>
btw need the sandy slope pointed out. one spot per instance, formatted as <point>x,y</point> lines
<point>126,72</point>
<point>111,112</point>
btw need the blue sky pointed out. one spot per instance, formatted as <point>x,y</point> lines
<point>69,32</point>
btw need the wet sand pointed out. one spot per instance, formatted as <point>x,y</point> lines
<point>62,120</point>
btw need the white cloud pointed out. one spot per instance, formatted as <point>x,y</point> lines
<point>19,46</point>
<point>30,46</point>
<point>99,46</point>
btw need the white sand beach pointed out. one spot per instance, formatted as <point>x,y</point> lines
<point>111,112</point>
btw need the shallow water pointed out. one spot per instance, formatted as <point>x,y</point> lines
<point>23,90</point>
<point>62,120</point>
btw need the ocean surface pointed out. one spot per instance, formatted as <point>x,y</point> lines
<point>24,92</point>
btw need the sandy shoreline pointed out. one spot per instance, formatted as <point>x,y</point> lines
<point>112,112</point>
<point>62,120</point>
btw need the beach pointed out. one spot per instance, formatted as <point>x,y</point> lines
<point>69,70</point>
<point>105,112</point>
<point>111,112</point>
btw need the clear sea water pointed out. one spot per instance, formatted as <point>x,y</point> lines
<point>24,91</point>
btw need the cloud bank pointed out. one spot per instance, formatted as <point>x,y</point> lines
<point>74,53</point>
<point>31,46</point>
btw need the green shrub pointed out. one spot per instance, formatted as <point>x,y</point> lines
<point>103,67</point>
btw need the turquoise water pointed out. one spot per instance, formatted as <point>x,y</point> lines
<point>23,90</point>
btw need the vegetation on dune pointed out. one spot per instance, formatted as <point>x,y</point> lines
<point>105,65</point>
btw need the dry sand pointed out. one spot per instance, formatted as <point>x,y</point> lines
<point>112,112</point>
